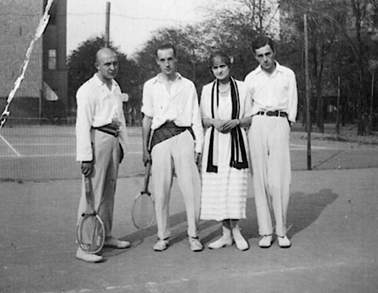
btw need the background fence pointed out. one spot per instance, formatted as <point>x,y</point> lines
<point>34,149</point>
<point>37,150</point>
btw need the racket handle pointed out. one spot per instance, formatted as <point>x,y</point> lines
<point>147,177</point>
<point>88,192</point>
<point>87,182</point>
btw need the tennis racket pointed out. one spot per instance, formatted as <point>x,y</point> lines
<point>143,206</point>
<point>91,230</point>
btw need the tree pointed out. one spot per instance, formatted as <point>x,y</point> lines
<point>324,18</point>
<point>234,26</point>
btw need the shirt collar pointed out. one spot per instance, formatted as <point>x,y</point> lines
<point>159,77</point>
<point>100,83</point>
<point>277,69</point>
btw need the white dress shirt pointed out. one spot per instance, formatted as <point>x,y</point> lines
<point>97,106</point>
<point>180,105</point>
<point>277,91</point>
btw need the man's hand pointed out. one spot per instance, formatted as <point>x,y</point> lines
<point>86,168</point>
<point>146,157</point>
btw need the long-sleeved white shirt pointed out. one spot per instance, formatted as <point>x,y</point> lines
<point>97,106</point>
<point>180,105</point>
<point>275,92</point>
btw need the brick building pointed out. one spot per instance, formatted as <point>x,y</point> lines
<point>47,65</point>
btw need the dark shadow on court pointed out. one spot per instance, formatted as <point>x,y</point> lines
<point>178,233</point>
<point>304,209</point>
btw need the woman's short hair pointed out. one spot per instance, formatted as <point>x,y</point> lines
<point>222,55</point>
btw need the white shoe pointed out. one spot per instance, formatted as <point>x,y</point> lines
<point>161,245</point>
<point>113,242</point>
<point>266,241</point>
<point>240,242</point>
<point>195,244</point>
<point>224,241</point>
<point>283,242</point>
<point>87,257</point>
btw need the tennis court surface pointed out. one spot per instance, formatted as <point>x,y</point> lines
<point>332,218</point>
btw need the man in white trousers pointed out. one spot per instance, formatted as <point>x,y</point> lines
<point>273,90</point>
<point>101,137</point>
<point>172,141</point>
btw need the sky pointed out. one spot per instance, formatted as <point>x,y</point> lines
<point>131,21</point>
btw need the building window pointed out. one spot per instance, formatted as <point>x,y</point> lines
<point>52,59</point>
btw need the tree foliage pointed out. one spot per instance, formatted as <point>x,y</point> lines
<point>343,36</point>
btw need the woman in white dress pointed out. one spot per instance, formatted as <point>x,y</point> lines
<point>226,112</point>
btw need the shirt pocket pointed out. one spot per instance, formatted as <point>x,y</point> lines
<point>282,85</point>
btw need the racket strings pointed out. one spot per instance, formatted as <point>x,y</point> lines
<point>91,234</point>
<point>91,231</point>
<point>143,211</point>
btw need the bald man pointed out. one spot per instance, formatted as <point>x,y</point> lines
<point>101,138</point>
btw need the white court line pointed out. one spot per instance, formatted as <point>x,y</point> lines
<point>37,156</point>
<point>11,147</point>
<point>293,269</point>
<point>152,287</point>
<point>57,155</point>
<point>43,144</point>
<point>304,147</point>
<point>56,144</point>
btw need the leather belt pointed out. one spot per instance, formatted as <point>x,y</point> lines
<point>272,113</point>
<point>109,129</point>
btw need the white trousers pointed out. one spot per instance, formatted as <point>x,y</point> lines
<point>270,156</point>
<point>176,154</point>
<point>106,153</point>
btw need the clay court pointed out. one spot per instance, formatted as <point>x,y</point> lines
<point>332,218</point>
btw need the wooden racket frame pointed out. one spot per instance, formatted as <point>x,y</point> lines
<point>144,191</point>
<point>90,202</point>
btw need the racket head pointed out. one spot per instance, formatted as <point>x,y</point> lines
<point>143,211</point>
<point>90,233</point>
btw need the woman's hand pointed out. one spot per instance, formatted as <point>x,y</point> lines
<point>228,125</point>
<point>217,124</point>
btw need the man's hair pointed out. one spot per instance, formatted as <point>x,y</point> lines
<point>222,55</point>
<point>166,46</point>
<point>262,41</point>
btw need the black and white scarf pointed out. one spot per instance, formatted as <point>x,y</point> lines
<point>238,153</point>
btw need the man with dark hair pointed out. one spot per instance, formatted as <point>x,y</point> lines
<point>272,88</point>
<point>166,46</point>
<point>100,132</point>
<point>172,141</point>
